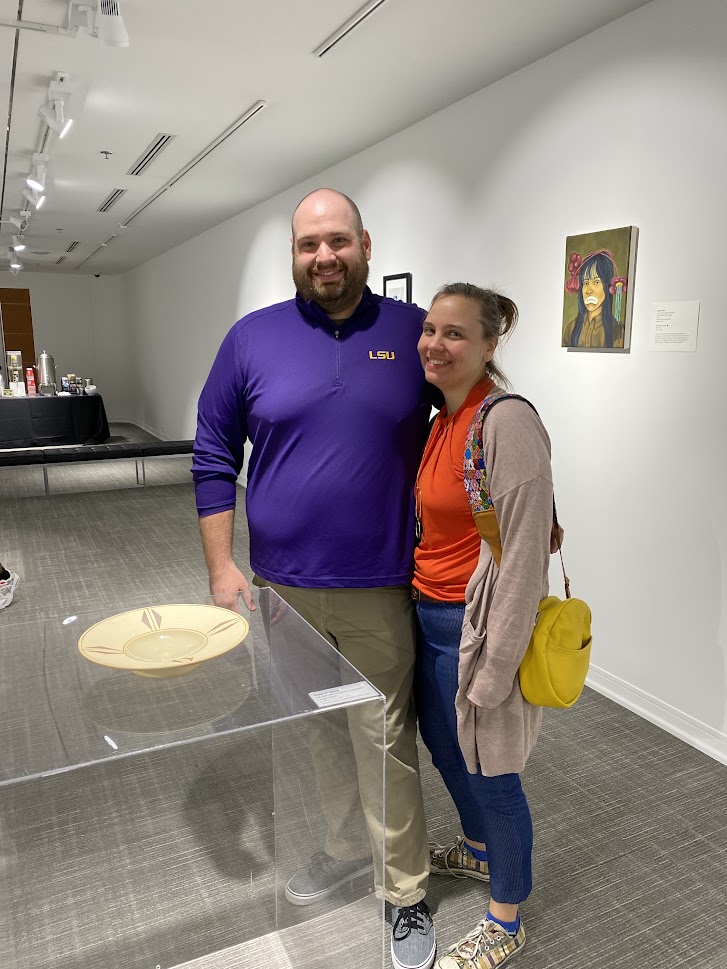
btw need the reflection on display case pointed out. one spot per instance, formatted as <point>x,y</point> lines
<point>164,773</point>
<point>14,368</point>
<point>14,361</point>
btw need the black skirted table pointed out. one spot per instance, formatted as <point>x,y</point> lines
<point>51,421</point>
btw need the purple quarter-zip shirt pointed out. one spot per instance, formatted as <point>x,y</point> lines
<point>336,416</point>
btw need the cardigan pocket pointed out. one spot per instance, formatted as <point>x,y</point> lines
<point>472,659</point>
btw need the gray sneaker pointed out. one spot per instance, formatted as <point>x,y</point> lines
<point>323,876</point>
<point>413,939</point>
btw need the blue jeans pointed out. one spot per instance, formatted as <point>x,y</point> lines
<point>492,810</point>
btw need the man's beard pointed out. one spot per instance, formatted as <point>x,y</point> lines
<point>334,298</point>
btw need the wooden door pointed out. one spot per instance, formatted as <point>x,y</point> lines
<point>17,324</point>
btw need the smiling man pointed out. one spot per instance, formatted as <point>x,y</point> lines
<point>330,392</point>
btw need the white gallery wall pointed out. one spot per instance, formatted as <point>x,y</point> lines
<point>82,322</point>
<point>625,126</point>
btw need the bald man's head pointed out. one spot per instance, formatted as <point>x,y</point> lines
<point>326,197</point>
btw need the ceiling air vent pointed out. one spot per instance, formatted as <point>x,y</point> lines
<point>72,247</point>
<point>150,153</point>
<point>111,200</point>
<point>59,261</point>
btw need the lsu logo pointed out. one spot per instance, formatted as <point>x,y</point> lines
<point>382,355</point>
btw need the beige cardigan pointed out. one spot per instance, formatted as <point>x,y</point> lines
<point>497,728</point>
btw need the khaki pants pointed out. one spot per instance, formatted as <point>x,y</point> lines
<point>374,630</point>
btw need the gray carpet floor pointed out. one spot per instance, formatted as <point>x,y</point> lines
<point>167,858</point>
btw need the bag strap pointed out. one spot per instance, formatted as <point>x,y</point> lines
<point>475,471</point>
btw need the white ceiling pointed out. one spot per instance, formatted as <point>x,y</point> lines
<point>194,68</point>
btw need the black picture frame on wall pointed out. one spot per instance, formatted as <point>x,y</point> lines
<point>398,287</point>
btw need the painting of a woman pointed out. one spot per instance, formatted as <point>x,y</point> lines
<point>600,293</point>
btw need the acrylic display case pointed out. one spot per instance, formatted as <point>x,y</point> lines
<point>152,815</point>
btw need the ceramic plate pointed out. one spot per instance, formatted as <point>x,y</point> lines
<point>163,640</point>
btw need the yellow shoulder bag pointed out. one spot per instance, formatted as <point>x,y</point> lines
<point>553,670</point>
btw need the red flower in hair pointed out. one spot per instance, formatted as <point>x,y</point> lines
<point>574,264</point>
<point>614,281</point>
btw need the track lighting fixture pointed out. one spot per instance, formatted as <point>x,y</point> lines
<point>14,270</point>
<point>35,198</point>
<point>36,179</point>
<point>21,222</point>
<point>15,262</point>
<point>18,244</point>
<point>54,118</point>
<point>98,18</point>
<point>53,112</point>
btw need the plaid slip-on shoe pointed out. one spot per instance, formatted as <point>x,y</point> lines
<point>455,859</point>
<point>488,945</point>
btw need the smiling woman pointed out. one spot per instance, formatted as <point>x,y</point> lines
<point>476,601</point>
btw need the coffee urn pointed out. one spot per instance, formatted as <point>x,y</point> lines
<point>46,375</point>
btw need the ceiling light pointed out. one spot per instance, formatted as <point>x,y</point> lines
<point>18,244</point>
<point>54,116</point>
<point>15,262</point>
<point>110,27</point>
<point>53,112</point>
<point>97,18</point>
<point>21,222</point>
<point>34,198</point>
<point>13,271</point>
<point>36,179</point>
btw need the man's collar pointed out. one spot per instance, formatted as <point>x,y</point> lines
<point>314,314</point>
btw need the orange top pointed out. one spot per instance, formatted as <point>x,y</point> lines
<point>449,547</point>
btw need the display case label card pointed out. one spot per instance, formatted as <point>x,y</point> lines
<point>348,693</point>
<point>674,326</point>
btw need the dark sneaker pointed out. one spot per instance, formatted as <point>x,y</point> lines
<point>456,859</point>
<point>487,945</point>
<point>413,939</point>
<point>323,876</point>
